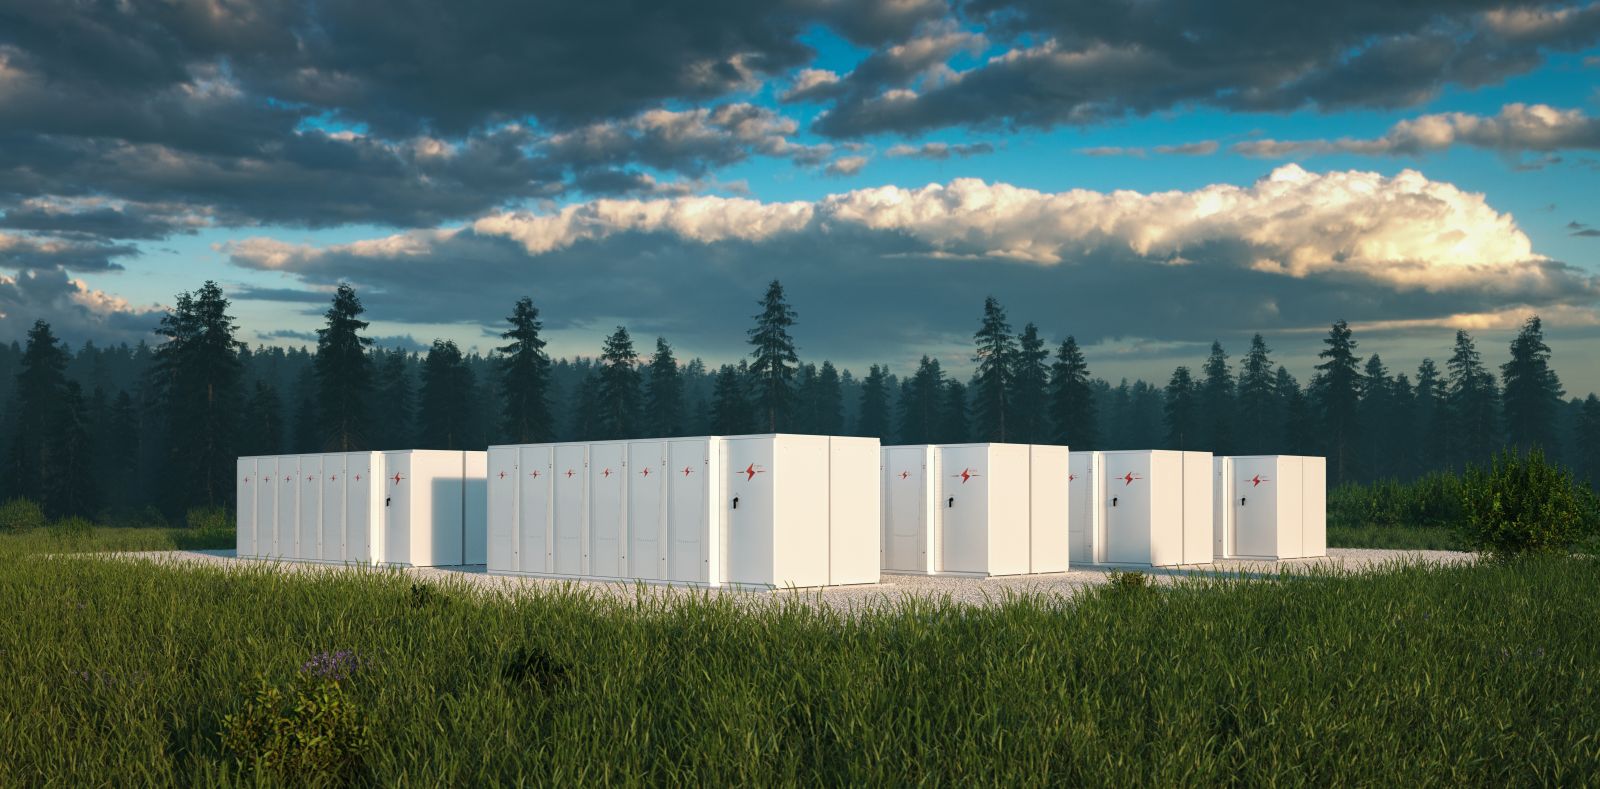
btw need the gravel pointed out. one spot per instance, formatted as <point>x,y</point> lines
<point>892,588</point>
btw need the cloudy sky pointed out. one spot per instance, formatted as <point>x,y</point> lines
<point>1145,175</point>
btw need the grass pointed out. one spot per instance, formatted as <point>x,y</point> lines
<point>124,672</point>
<point>104,538</point>
<point>1422,538</point>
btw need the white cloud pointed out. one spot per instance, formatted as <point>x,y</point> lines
<point>1517,128</point>
<point>846,165</point>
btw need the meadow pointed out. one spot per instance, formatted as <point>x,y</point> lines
<point>118,671</point>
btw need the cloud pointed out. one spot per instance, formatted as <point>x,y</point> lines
<point>1202,148</point>
<point>1587,232</point>
<point>23,252</point>
<point>884,267</point>
<point>74,310</point>
<point>939,151</point>
<point>1516,129</point>
<point>1085,62</point>
<point>845,165</point>
<point>691,142</point>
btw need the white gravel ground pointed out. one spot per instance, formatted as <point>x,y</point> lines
<point>891,589</point>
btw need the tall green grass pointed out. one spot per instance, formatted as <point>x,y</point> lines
<point>124,671</point>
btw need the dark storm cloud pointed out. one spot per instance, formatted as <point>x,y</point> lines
<point>25,252</point>
<point>72,310</point>
<point>1087,61</point>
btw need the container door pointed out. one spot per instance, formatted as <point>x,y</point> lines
<point>288,482</point>
<point>397,507</point>
<point>1313,506</point>
<point>358,508</point>
<point>570,509</point>
<point>749,509</point>
<point>688,512</point>
<point>244,519</point>
<point>535,545</point>
<point>608,490</point>
<point>266,506</point>
<point>1050,503</point>
<point>503,478</point>
<point>1127,507</point>
<point>1221,511</point>
<point>310,508</point>
<point>647,487</point>
<point>1081,499</point>
<point>334,486</point>
<point>964,502</point>
<point>905,539</point>
<point>1254,503</point>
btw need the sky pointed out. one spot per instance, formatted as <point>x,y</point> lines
<point>1145,175</point>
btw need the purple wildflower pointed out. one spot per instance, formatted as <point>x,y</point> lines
<point>337,666</point>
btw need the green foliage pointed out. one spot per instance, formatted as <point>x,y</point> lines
<point>525,378</point>
<point>1524,504</point>
<point>1128,582</point>
<point>73,527</point>
<point>213,518</point>
<point>20,515</point>
<point>535,669</point>
<point>1429,502</point>
<point>311,734</point>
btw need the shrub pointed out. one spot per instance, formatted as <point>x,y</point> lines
<point>20,515</point>
<point>209,519</point>
<point>1127,581</point>
<point>313,734</point>
<point>1523,504</point>
<point>72,527</point>
<point>129,518</point>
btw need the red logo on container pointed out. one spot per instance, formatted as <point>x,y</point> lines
<point>397,478</point>
<point>333,478</point>
<point>569,473</point>
<point>1071,477</point>
<point>246,480</point>
<point>751,471</point>
<point>502,475</point>
<point>358,477</point>
<point>607,472</point>
<point>966,474</point>
<point>687,471</point>
<point>905,474</point>
<point>534,474</point>
<point>646,472</point>
<point>1129,478</point>
<point>1255,481</point>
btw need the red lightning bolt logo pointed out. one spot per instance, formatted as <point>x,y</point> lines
<point>1129,478</point>
<point>1255,481</point>
<point>397,478</point>
<point>905,474</point>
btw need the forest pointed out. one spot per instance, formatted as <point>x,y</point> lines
<point>138,434</point>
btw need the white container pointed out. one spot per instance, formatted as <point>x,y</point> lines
<point>1270,507</point>
<point>1085,531</point>
<point>413,507</point>
<point>975,509</point>
<point>1150,507</point>
<point>768,511</point>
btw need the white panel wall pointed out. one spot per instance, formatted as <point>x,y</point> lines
<point>1050,501</point>
<point>474,507</point>
<point>334,509</point>
<point>647,511</point>
<point>1270,507</point>
<point>245,517</point>
<point>1156,507</point>
<point>608,499</point>
<point>288,529</point>
<point>1314,529</point>
<point>910,504</point>
<point>854,541</point>
<point>309,484</point>
<point>266,507</point>
<point>502,495</point>
<point>1086,485</point>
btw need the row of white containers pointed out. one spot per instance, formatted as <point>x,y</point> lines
<point>421,508</point>
<point>767,510</point>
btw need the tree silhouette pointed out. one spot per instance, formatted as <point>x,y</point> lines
<point>730,408</point>
<point>525,378</point>
<point>1261,412</point>
<point>621,398</point>
<point>1533,393</point>
<point>827,401</point>
<point>197,372</point>
<point>664,402</point>
<point>1336,394</point>
<point>774,360</point>
<point>1217,402</point>
<point>70,487</point>
<point>344,375</point>
<point>874,418</point>
<point>992,384</point>
<point>446,401</point>
<point>1031,377</point>
<point>1181,407</point>
<point>1588,440</point>
<point>41,384</point>
<point>1474,405</point>
<point>922,403</point>
<point>954,426</point>
<point>1072,400</point>
<point>394,428</point>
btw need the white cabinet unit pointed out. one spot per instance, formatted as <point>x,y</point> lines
<point>1150,507</point>
<point>975,509</point>
<point>1085,530</point>
<point>1270,507</point>
<point>772,511</point>
<point>414,507</point>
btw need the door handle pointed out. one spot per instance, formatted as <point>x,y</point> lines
<point>736,502</point>
<point>950,503</point>
<point>1113,501</point>
<point>386,501</point>
<point>1241,501</point>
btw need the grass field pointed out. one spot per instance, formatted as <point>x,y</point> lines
<point>125,672</point>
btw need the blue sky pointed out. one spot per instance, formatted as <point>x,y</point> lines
<point>655,170</point>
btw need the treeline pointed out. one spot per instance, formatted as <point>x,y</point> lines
<point>155,427</point>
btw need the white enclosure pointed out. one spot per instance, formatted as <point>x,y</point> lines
<point>1270,507</point>
<point>410,507</point>
<point>975,509</point>
<point>770,510</point>
<point>1148,507</point>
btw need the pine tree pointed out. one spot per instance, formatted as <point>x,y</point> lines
<point>198,373</point>
<point>263,434</point>
<point>70,487</point>
<point>874,417</point>
<point>344,375</point>
<point>525,379</point>
<point>1181,409</point>
<point>1297,418</point>
<point>586,409</point>
<point>1533,393</point>
<point>664,409</point>
<point>1376,413</point>
<point>1260,425</point>
<point>306,430</point>
<point>730,408</point>
<point>1432,418</point>
<point>1336,397</point>
<point>954,427</point>
<point>445,413</point>
<point>1072,400</point>
<point>774,360</point>
<point>621,396</point>
<point>1588,440</point>
<point>1474,405</point>
<point>120,437</point>
<point>1402,428</point>
<point>1217,402</point>
<point>801,417</point>
<point>394,429</point>
<point>1031,376</point>
<point>827,402</point>
<point>921,403</point>
<point>41,384</point>
<point>993,387</point>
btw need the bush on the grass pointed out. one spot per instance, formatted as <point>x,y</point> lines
<point>310,734</point>
<point>71,527</point>
<point>1524,504</point>
<point>20,515</point>
<point>209,519</point>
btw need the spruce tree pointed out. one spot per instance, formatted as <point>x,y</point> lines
<point>801,416</point>
<point>954,426</point>
<point>41,385</point>
<point>1474,405</point>
<point>445,408</point>
<point>307,432</point>
<point>1260,425</point>
<point>993,384</point>
<point>1403,435</point>
<point>922,403</point>
<point>1072,401</point>
<point>1031,376</point>
<point>1336,398</point>
<point>1298,422</point>
<point>586,408</point>
<point>1377,413</point>
<point>120,437</point>
<point>774,360</point>
<point>1182,405</point>
<point>730,407</point>
<point>525,379</point>
<point>1217,402</point>
<point>874,413</point>
<point>1533,393</point>
<point>1588,440</point>
<point>827,402</point>
<point>395,428</point>
<point>344,375</point>
<point>198,374</point>
<point>1432,419</point>
<point>621,396</point>
<point>263,433</point>
<point>664,402</point>
<point>70,486</point>
<point>1121,418</point>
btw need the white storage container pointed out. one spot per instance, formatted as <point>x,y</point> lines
<point>1270,507</point>
<point>1085,531</point>
<point>975,509</point>
<point>770,511</point>
<point>410,507</point>
<point>1150,507</point>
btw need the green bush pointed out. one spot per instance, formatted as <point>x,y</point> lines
<point>130,518</point>
<point>20,515</point>
<point>73,527</point>
<point>1430,501</point>
<point>209,519</point>
<point>313,734</point>
<point>1524,504</point>
<point>1127,581</point>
